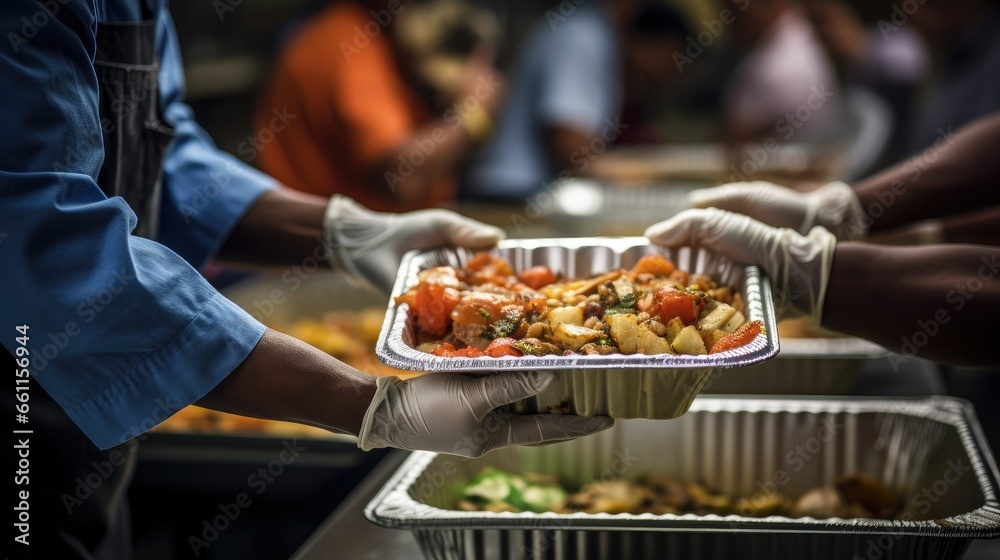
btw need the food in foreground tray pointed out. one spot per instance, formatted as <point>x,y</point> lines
<point>485,309</point>
<point>857,495</point>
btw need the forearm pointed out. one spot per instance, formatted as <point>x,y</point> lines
<point>286,379</point>
<point>975,227</point>
<point>284,227</point>
<point>959,174</point>
<point>937,302</point>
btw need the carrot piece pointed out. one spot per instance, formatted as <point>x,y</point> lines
<point>741,337</point>
<point>502,347</point>
<point>447,350</point>
<point>654,264</point>
<point>537,277</point>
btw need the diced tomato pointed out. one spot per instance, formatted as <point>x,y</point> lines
<point>537,277</point>
<point>447,350</point>
<point>467,352</point>
<point>669,303</point>
<point>487,268</point>
<point>654,264</point>
<point>432,305</point>
<point>502,347</point>
<point>741,337</point>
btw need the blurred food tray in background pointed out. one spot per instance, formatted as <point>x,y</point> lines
<point>713,163</point>
<point>811,361</point>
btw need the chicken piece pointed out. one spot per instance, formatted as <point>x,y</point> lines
<point>819,503</point>
<point>614,496</point>
<point>863,489</point>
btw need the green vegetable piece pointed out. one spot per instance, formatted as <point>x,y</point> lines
<point>490,485</point>
<point>540,498</point>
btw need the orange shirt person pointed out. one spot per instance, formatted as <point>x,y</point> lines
<point>355,121</point>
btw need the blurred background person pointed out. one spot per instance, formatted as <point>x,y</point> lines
<point>784,87</point>
<point>966,85</point>
<point>936,66</point>
<point>889,62</point>
<point>566,102</point>
<point>381,101</point>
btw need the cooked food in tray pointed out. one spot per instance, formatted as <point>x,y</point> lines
<point>857,495</point>
<point>486,309</point>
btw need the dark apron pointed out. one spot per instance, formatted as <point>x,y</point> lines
<point>79,493</point>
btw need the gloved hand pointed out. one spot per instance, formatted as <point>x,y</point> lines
<point>833,206</point>
<point>798,266</point>
<point>369,245</point>
<point>457,414</point>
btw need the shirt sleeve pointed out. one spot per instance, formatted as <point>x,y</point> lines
<point>579,80</point>
<point>206,191</point>
<point>123,332</point>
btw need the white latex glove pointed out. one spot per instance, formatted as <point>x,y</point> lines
<point>457,414</point>
<point>798,266</point>
<point>833,206</point>
<point>369,245</point>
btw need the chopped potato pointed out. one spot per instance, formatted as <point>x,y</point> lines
<point>624,330</point>
<point>573,336</point>
<point>689,342</point>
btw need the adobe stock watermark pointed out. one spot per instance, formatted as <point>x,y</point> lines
<point>363,35</point>
<point>787,126</point>
<point>713,28</point>
<point>102,470</point>
<point>87,311</point>
<point>251,147</point>
<point>562,12</point>
<point>959,297</point>
<point>920,504</point>
<point>454,117</point>
<point>31,25</point>
<point>582,158</point>
<point>229,512</point>
<point>795,460</point>
<point>901,13</point>
<point>914,168</point>
<point>291,280</point>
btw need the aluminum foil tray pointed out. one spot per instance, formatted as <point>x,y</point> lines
<point>930,452</point>
<point>618,385</point>
<point>803,366</point>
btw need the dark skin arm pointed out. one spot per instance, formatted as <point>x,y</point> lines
<point>958,175</point>
<point>975,227</point>
<point>286,379</point>
<point>283,228</point>
<point>943,304</point>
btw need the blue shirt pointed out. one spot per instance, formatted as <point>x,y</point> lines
<point>123,331</point>
<point>567,75</point>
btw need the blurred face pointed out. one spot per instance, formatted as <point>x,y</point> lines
<point>652,58</point>
<point>939,22</point>
<point>754,17</point>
